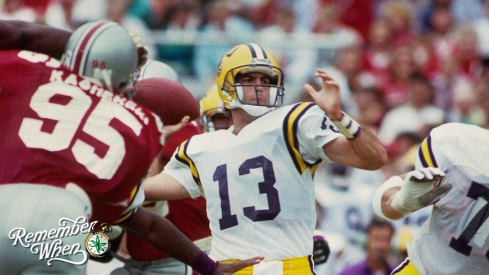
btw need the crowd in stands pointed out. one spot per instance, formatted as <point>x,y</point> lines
<point>404,67</point>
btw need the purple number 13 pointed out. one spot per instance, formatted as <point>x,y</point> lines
<point>265,187</point>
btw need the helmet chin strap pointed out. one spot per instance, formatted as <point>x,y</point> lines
<point>256,110</point>
<point>253,110</point>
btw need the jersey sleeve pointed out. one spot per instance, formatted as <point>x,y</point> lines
<point>315,129</point>
<point>431,152</point>
<point>182,168</point>
<point>137,201</point>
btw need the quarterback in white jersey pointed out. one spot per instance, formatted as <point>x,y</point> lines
<point>455,239</point>
<point>257,176</point>
<point>245,193</point>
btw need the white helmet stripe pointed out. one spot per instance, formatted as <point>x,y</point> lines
<point>257,51</point>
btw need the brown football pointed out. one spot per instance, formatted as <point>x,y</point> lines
<point>170,100</point>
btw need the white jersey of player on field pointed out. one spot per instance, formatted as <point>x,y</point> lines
<point>246,197</point>
<point>455,240</point>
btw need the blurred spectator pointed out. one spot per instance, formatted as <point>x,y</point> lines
<point>358,14</point>
<point>343,195</point>
<point>438,40</point>
<point>378,50</point>
<point>370,108</point>
<point>349,62</point>
<point>466,51</point>
<point>181,17</point>
<point>15,10</point>
<point>399,14</point>
<point>89,10</point>
<point>331,31</point>
<point>398,150</point>
<point>118,11</point>
<point>142,10</point>
<point>402,66</point>
<point>481,27</point>
<point>444,81</point>
<point>263,13</point>
<point>424,56</point>
<point>59,14</point>
<point>345,69</point>
<point>484,103</point>
<point>342,254</point>
<point>466,11</point>
<point>379,237</point>
<point>221,29</point>
<point>425,13</point>
<point>296,62</point>
<point>415,115</point>
<point>465,105</point>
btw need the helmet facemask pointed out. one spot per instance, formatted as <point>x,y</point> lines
<point>255,107</point>
<point>207,119</point>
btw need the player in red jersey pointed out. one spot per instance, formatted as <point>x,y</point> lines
<point>72,147</point>
<point>188,215</point>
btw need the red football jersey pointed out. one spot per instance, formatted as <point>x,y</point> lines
<point>57,128</point>
<point>189,215</point>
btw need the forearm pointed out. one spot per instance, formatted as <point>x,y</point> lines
<point>383,196</point>
<point>359,148</point>
<point>165,237</point>
<point>163,187</point>
<point>369,149</point>
<point>20,35</point>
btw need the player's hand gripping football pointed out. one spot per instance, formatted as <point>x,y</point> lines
<point>169,130</point>
<point>421,188</point>
<point>328,97</point>
<point>230,268</point>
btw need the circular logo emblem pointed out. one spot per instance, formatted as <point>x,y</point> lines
<point>97,243</point>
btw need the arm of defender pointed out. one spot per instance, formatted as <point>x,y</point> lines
<point>362,149</point>
<point>164,236</point>
<point>401,195</point>
<point>163,187</point>
<point>20,35</point>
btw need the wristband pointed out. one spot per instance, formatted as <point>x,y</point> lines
<point>395,181</point>
<point>204,265</point>
<point>348,126</point>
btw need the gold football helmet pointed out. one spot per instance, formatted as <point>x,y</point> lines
<point>249,58</point>
<point>210,106</point>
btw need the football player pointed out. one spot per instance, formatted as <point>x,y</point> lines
<point>257,176</point>
<point>451,174</point>
<point>188,215</point>
<point>73,145</point>
<point>213,115</point>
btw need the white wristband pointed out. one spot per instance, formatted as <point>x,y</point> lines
<point>395,181</point>
<point>348,126</point>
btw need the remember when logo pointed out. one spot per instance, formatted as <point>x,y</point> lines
<point>48,244</point>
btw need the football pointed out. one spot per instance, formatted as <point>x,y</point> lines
<point>170,100</point>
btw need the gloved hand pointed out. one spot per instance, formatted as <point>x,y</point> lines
<point>421,188</point>
<point>321,249</point>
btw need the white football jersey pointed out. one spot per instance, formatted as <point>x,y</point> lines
<point>259,183</point>
<point>455,240</point>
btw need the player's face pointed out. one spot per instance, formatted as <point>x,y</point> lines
<point>222,121</point>
<point>255,94</point>
<point>379,242</point>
